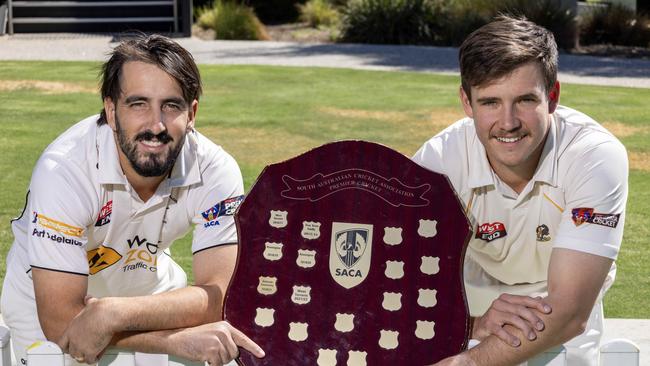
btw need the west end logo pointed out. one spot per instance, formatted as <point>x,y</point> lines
<point>350,253</point>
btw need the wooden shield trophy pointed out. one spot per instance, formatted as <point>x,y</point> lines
<point>350,254</point>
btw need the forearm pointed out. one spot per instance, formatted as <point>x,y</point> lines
<point>55,324</point>
<point>186,307</point>
<point>215,343</point>
<point>148,322</point>
<point>157,341</point>
<point>561,325</point>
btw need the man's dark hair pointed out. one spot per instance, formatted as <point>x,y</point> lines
<point>498,48</point>
<point>157,50</point>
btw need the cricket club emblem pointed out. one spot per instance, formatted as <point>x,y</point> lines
<point>350,245</point>
<point>581,215</point>
<point>350,252</point>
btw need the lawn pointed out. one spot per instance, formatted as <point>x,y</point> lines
<point>267,114</point>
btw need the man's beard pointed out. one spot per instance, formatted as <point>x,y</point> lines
<point>149,164</point>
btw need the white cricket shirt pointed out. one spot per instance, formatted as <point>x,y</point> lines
<point>83,217</point>
<point>575,200</point>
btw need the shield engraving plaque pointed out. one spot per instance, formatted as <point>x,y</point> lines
<point>350,254</point>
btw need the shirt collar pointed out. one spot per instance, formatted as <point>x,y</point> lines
<point>184,173</point>
<point>547,166</point>
<point>186,169</point>
<point>108,161</point>
<point>481,173</point>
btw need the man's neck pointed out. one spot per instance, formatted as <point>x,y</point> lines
<point>518,177</point>
<point>517,180</point>
<point>145,187</point>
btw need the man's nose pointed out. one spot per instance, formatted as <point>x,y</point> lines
<point>156,123</point>
<point>508,120</point>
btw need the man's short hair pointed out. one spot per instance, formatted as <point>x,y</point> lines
<point>157,50</point>
<point>498,48</point>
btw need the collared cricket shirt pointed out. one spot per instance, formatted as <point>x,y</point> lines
<point>575,200</point>
<point>83,217</point>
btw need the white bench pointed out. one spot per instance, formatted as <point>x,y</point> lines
<point>619,351</point>
<point>616,352</point>
<point>552,357</point>
<point>49,354</point>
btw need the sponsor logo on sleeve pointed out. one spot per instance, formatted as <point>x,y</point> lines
<point>226,207</point>
<point>102,258</point>
<point>104,216</point>
<point>56,237</point>
<point>583,215</point>
<point>491,231</point>
<point>62,230</point>
<point>58,226</point>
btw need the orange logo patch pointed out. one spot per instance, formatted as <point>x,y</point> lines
<point>101,258</point>
<point>59,226</point>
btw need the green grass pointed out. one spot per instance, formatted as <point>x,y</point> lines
<point>268,114</point>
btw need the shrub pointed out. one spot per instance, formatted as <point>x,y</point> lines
<point>615,24</point>
<point>460,18</point>
<point>275,11</point>
<point>318,12</point>
<point>388,21</point>
<point>446,22</point>
<point>230,20</point>
<point>551,15</point>
<point>200,4</point>
<point>463,17</point>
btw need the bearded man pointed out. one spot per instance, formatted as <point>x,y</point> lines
<point>90,266</point>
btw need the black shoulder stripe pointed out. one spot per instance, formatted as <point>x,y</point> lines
<point>61,271</point>
<point>24,209</point>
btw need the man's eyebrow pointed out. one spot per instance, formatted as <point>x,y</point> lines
<point>179,101</point>
<point>135,98</point>
<point>528,96</point>
<point>141,98</point>
<point>487,99</point>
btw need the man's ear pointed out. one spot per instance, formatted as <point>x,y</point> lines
<point>554,97</point>
<point>109,111</point>
<point>466,103</point>
<point>191,114</point>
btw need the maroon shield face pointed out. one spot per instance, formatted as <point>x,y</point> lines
<point>350,254</point>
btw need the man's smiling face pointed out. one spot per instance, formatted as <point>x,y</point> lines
<point>512,116</point>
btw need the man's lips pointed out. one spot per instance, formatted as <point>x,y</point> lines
<point>151,143</point>
<point>509,139</point>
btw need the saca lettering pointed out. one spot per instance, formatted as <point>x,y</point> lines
<point>348,272</point>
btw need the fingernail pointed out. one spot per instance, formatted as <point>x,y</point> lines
<point>532,336</point>
<point>540,325</point>
<point>515,343</point>
<point>547,308</point>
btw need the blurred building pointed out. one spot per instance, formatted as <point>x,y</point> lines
<point>93,16</point>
